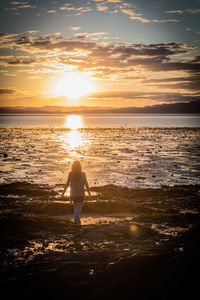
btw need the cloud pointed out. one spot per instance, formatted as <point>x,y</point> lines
<point>181,11</point>
<point>21,5</point>
<point>114,1</point>
<point>17,61</point>
<point>115,63</point>
<point>32,32</point>
<point>26,6</point>
<point>118,94</point>
<point>76,10</point>
<point>164,21</point>
<point>75,28</point>
<point>92,36</point>
<point>196,59</point>
<point>153,96</point>
<point>138,17</point>
<point>18,3</point>
<point>123,51</point>
<point>102,7</point>
<point>188,83</point>
<point>134,16</point>
<point>17,6</point>
<point>51,11</point>
<point>6,36</point>
<point>7,91</point>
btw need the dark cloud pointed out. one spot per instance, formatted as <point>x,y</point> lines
<point>3,34</point>
<point>189,83</point>
<point>177,66</point>
<point>154,96</point>
<point>118,94</point>
<point>148,50</point>
<point>196,59</point>
<point>58,42</point>
<point>17,61</point>
<point>8,91</point>
<point>23,40</point>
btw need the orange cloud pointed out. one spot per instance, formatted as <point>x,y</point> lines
<point>119,68</point>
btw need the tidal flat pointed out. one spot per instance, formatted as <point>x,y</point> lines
<point>140,228</point>
<point>125,156</point>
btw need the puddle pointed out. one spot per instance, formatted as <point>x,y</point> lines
<point>170,231</point>
<point>87,219</point>
<point>189,211</point>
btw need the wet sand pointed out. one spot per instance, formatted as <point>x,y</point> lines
<point>134,243</point>
<point>132,157</point>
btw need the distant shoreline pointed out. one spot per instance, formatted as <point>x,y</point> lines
<point>172,108</point>
<point>91,113</point>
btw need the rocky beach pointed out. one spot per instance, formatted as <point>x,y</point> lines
<point>139,243</point>
<point>139,233</point>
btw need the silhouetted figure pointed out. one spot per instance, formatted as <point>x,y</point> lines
<point>77,181</point>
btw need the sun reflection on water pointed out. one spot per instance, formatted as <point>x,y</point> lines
<point>74,139</point>
<point>73,122</point>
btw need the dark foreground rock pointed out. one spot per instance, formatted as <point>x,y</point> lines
<point>154,254</point>
<point>45,257</point>
<point>96,275</point>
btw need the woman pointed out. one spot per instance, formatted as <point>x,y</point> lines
<point>77,181</point>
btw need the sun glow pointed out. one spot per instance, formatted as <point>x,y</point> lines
<point>74,85</point>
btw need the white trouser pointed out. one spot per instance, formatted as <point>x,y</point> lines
<point>77,211</point>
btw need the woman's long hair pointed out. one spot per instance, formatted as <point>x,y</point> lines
<point>76,170</point>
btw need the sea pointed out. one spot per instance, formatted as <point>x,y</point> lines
<point>100,120</point>
<point>132,150</point>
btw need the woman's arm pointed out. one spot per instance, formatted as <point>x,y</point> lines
<point>87,186</point>
<point>66,185</point>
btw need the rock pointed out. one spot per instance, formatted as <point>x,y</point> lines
<point>140,177</point>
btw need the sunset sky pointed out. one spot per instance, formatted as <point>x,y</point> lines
<point>109,53</point>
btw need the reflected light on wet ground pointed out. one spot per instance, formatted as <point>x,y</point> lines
<point>132,157</point>
<point>73,139</point>
<point>87,219</point>
<point>67,193</point>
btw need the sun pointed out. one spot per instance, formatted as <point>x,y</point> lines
<point>74,85</point>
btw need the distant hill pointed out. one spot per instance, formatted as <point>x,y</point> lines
<point>172,108</point>
<point>51,110</point>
